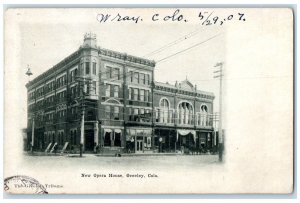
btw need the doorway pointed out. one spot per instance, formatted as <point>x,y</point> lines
<point>89,140</point>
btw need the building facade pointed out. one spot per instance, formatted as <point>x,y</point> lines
<point>109,101</point>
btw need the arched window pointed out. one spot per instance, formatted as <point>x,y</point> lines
<point>164,111</point>
<point>204,115</point>
<point>185,113</point>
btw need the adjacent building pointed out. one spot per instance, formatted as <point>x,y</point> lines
<point>109,101</point>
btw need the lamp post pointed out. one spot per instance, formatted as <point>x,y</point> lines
<point>219,74</point>
<point>29,73</point>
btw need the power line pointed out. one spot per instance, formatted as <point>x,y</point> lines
<point>163,59</point>
<point>185,37</point>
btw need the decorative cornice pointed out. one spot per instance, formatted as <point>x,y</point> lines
<point>204,95</point>
<point>55,68</point>
<point>126,57</point>
<point>101,51</point>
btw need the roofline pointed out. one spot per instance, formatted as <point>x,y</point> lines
<point>176,88</point>
<point>101,51</point>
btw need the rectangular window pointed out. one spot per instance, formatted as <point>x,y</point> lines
<point>107,91</point>
<point>142,111</point>
<point>107,112</point>
<point>95,87</point>
<point>94,68</point>
<point>147,82</point>
<point>87,68</point>
<point>142,78</point>
<point>130,114</point>
<point>116,113</point>
<point>135,94</point>
<point>136,78</point>
<point>129,93</point>
<point>81,69</point>
<point>142,95</point>
<point>72,76</point>
<point>135,111</point>
<point>116,74</point>
<point>131,76</point>
<point>108,72</point>
<point>116,91</point>
<point>147,95</point>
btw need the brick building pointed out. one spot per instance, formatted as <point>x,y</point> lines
<point>109,99</point>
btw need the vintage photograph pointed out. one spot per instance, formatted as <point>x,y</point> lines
<point>125,101</point>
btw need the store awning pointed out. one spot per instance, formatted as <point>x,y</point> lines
<point>185,132</point>
<point>118,131</point>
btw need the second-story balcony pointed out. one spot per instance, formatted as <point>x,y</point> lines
<point>171,118</point>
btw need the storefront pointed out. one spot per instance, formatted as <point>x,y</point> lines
<point>112,137</point>
<point>186,140</point>
<point>165,140</point>
<point>139,140</point>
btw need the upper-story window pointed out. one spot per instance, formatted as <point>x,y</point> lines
<point>95,87</point>
<point>116,113</point>
<point>164,111</point>
<point>107,90</point>
<point>131,76</point>
<point>116,91</point>
<point>135,94</point>
<point>130,94</point>
<point>136,78</point>
<point>147,95</point>
<point>94,68</point>
<point>87,68</point>
<point>73,75</point>
<point>147,79</point>
<point>185,113</point>
<point>142,78</point>
<point>116,74</point>
<point>107,112</point>
<point>108,72</point>
<point>142,95</point>
<point>204,109</point>
<point>61,81</point>
<point>204,115</point>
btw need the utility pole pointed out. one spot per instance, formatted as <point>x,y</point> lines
<point>82,92</point>
<point>83,83</point>
<point>82,127</point>
<point>219,74</point>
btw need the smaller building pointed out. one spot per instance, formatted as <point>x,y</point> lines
<point>184,118</point>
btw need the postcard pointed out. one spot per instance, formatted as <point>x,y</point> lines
<point>148,100</point>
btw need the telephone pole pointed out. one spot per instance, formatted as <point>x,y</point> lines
<point>219,74</point>
<point>85,88</point>
<point>81,83</point>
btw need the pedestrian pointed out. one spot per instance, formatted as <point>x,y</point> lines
<point>55,149</point>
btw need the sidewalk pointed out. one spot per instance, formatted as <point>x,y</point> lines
<point>113,154</point>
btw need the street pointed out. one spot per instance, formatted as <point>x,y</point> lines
<point>91,161</point>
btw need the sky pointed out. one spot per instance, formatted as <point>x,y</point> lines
<point>47,38</point>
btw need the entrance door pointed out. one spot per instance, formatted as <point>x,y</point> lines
<point>89,140</point>
<point>139,146</point>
